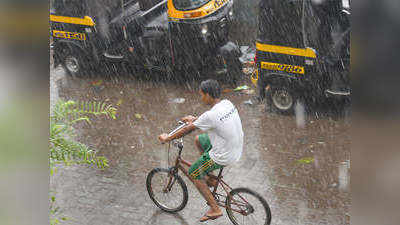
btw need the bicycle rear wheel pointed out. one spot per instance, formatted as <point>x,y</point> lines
<point>245,206</point>
<point>168,191</point>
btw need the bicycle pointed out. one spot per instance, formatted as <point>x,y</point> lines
<point>174,194</point>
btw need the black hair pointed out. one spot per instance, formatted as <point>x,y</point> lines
<point>211,87</point>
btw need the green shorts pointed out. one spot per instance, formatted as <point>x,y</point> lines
<point>204,164</point>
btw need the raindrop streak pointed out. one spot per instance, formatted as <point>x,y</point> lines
<point>164,158</point>
<point>178,100</point>
<point>303,211</point>
<point>343,175</point>
<point>300,115</point>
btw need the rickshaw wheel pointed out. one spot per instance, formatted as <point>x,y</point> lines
<point>74,62</point>
<point>281,99</point>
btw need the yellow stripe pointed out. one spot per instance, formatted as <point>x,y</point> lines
<point>254,79</point>
<point>200,169</point>
<point>306,52</point>
<point>203,168</point>
<point>87,21</point>
<point>203,11</point>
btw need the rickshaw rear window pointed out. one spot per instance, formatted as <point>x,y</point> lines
<point>280,23</point>
<point>189,4</point>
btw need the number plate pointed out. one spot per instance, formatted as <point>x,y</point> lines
<point>219,3</point>
<point>69,35</point>
<point>282,67</point>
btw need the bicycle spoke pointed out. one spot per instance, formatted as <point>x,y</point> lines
<point>251,216</point>
<point>247,208</point>
<point>240,206</point>
<point>166,191</point>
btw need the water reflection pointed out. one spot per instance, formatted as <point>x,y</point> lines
<point>309,157</point>
<point>344,178</point>
<point>300,114</point>
<point>295,163</point>
<point>160,217</point>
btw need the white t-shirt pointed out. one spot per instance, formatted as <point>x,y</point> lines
<point>224,127</point>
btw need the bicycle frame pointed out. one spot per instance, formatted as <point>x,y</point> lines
<point>179,162</point>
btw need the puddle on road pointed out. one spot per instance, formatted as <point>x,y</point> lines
<point>300,165</point>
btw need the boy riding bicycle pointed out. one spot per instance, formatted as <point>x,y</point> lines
<point>222,145</point>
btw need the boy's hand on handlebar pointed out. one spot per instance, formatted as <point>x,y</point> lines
<point>189,119</point>
<point>163,138</point>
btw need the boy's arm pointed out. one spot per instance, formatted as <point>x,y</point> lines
<point>178,134</point>
<point>189,119</point>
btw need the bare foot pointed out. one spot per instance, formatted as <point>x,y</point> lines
<point>211,215</point>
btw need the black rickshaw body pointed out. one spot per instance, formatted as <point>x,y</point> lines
<point>199,32</point>
<point>70,29</point>
<point>199,35</point>
<point>142,33</point>
<point>304,48</point>
<point>100,32</point>
<point>75,33</point>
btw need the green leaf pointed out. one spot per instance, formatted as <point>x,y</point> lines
<point>81,119</point>
<point>119,102</point>
<point>306,160</point>
<point>245,87</point>
<point>63,149</point>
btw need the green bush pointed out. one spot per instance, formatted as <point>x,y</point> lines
<point>64,149</point>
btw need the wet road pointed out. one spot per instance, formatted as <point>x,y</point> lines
<point>303,173</point>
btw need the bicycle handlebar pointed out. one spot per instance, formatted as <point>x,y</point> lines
<point>181,124</point>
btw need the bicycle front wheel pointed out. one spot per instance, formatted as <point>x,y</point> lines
<point>168,191</point>
<point>245,206</point>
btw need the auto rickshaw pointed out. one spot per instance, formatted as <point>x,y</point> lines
<point>303,51</point>
<point>93,32</point>
<point>199,36</point>
<point>166,35</point>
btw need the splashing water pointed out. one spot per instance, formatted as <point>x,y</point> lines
<point>343,175</point>
<point>300,115</point>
